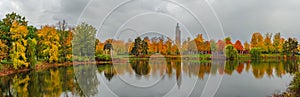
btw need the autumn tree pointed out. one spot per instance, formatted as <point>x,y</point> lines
<point>246,46</point>
<point>98,47</point>
<point>207,47</point>
<point>68,45</point>
<point>63,35</point>
<point>228,40</point>
<point>192,47</point>
<point>185,45</point>
<point>144,47</point>
<point>238,46</point>
<point>161,45</point>
<point>290,47</point>
<point>220,46</point>
<point>5,27</point>
<point>19,43</point>
<point>199,42</point>
<point>268,46</point>
<point>154,45</point>
<point>49,41</point>
<point>129,45</point>
<point>277,43</point>
<point>169,46</point>
<point>257,40</point>
<point>147,39</point>
<point>119,46</point>
<point>298,47</point>
<point>84,40</point>
<point>3,50</point>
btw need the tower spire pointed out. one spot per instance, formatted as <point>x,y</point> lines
<point>178,36</point>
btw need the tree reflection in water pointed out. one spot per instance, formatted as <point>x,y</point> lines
<point>140,66</point>
<point>87,79</point>
<point>62,81</point>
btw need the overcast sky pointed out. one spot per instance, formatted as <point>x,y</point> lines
<point>117,19</point>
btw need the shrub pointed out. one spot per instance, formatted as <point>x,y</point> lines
<point>231,52</point>
<point>103,57</point>
<point>255,53</point>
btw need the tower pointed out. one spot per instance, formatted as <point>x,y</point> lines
<point>178,36</point>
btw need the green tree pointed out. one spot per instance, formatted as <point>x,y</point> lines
<point>32,32</point>
<point>84,40</point>
<point>255,53</point>
<point>30,53</point>
<point>231,52</point>
<point>295,84</point>
<point>140,47</point>
<point>136,48</point>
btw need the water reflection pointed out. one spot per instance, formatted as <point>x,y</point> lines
<point>140,67</point>
<point>62,81</point>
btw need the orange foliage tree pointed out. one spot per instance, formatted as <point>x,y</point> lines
<point>228,40</point>
<point>238,46</point>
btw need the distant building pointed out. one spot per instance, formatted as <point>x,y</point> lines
<point>178,36</point>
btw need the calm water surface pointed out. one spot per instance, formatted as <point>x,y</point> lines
<point>154,78</point>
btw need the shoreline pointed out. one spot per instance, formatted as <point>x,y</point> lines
<point>45,65</point>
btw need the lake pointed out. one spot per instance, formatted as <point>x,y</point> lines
<point>156,77</point>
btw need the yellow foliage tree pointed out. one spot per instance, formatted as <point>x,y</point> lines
<point>3,50</point>
<point>50,39</point>
<point>257,40</point>
<point>268,45</point>
<point>17,52</point>
<point>68,43</point>
<point>246,46</point>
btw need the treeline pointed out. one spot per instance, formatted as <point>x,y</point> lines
<point>259,44</point>
<point>21,45</point>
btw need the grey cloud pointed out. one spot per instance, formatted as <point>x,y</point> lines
<point>239,19</point>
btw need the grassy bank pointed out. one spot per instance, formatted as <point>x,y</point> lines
<point>6,70</point>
